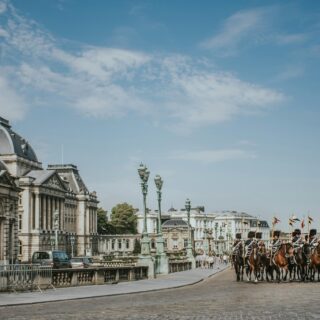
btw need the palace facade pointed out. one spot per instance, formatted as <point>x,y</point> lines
<point>51,201</point>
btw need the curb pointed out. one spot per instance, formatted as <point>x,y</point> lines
<point>115,294</point>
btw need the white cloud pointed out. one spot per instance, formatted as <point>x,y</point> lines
<point>284,39</point>
<point>3,7</point>
<point>290,72</point>
<point>212,156</point>
<point>236,28</point>
<point>12,106</point>
<point>108,82</point>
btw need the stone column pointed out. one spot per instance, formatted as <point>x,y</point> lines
<point>37,211</point>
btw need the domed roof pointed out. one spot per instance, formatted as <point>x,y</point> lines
<point>12,143</point>
<point>175,223</point>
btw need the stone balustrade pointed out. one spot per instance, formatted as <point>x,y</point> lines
<point>99,275</point>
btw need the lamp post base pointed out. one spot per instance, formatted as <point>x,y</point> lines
<point>145,245</point>
<point>162,261</point>
<point>191,257</point>
<point>148,261</point>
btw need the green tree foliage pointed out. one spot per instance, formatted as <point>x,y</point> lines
<point>137,247</point>
<point>123,218</point>
<point>104,227</point>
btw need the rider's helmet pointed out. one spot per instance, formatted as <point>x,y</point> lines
<point>312,233</point>
<point>276,234</point>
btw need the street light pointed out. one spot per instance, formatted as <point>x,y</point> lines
<point>159,182</point>
<point>144,176</point>
<point>188,208</point>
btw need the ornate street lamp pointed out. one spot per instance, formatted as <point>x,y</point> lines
<point>162,265</point>
<point>144,176</point>
<point>189,248</point>
<point>159,182</point>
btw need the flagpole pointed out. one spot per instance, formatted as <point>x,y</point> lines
<point>308,228</point>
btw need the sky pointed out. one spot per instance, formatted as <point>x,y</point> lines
<point>220,98</point>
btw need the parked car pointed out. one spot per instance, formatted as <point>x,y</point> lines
<point>56,259</point>
<point>81,262</point>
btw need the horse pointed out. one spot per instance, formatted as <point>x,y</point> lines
<point>280,260</point>
<point>302,258</point>
<point>238,261</point>
<point>315,262</point>
<point>253,263</point>
<point>265,266</point>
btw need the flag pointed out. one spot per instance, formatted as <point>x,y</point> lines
<point>291,222</point>
<point>275,220</point>
<point>302,224</point>
<point>294,218</point>
<point>310,220</point>
<point>245,222</point>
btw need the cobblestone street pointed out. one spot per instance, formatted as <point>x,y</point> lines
<point>219,297</point>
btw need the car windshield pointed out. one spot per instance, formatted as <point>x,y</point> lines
<point>60,255</point>
<point>41,256</point>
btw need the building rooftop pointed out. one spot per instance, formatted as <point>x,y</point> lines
<point>13,143</point>
<point>175,223</point>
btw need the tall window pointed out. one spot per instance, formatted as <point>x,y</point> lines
<point>20,221</point>
<point>112,244</point>
<point>20,247</point>
<point>185,242</point>
<point>127,244</point>
<point>119,244</point>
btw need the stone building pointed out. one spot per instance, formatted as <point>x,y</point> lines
<point>9,196</point>
<point>175,235</point>
<point>55,198</point>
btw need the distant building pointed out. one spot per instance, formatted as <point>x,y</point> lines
<point>212,232</point>
<point>58,191</point>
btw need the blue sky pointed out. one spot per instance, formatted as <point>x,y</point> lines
<point>219,98</point>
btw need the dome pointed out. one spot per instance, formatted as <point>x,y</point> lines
<point>175,223</point>
<point>12,143</point>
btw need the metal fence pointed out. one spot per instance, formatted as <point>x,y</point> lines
<point>18,277</point>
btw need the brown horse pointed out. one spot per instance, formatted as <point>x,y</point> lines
<point>315,263</point>
<point>280,260</point>
<point>253,263</point>
<point>238,261</point>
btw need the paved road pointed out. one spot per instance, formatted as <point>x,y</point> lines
<point>219,297</point>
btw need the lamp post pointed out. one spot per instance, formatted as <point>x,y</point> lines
<point>189,247</point>
<point>72,241</point>
<point>145,241</point>
<point>56,228</point>
<point>162,265</point>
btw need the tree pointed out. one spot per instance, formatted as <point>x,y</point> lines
<point>103,226</point>
<point>137,247</point>
<point>123,218</point>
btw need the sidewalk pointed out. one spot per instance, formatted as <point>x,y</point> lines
<point>172,280</point>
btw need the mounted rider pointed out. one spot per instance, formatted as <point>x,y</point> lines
<point>297,240</point>
<point>259,239</point>
<point>236,244</point>
<point>313,240</point>
<point>249,244</point>
<point>276,242</point>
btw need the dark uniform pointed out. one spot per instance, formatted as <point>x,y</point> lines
<point>236,244</point>
<point>313,240</point>
<point>249,244</point>
<point>276,242</point>
<point>296,239</point>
